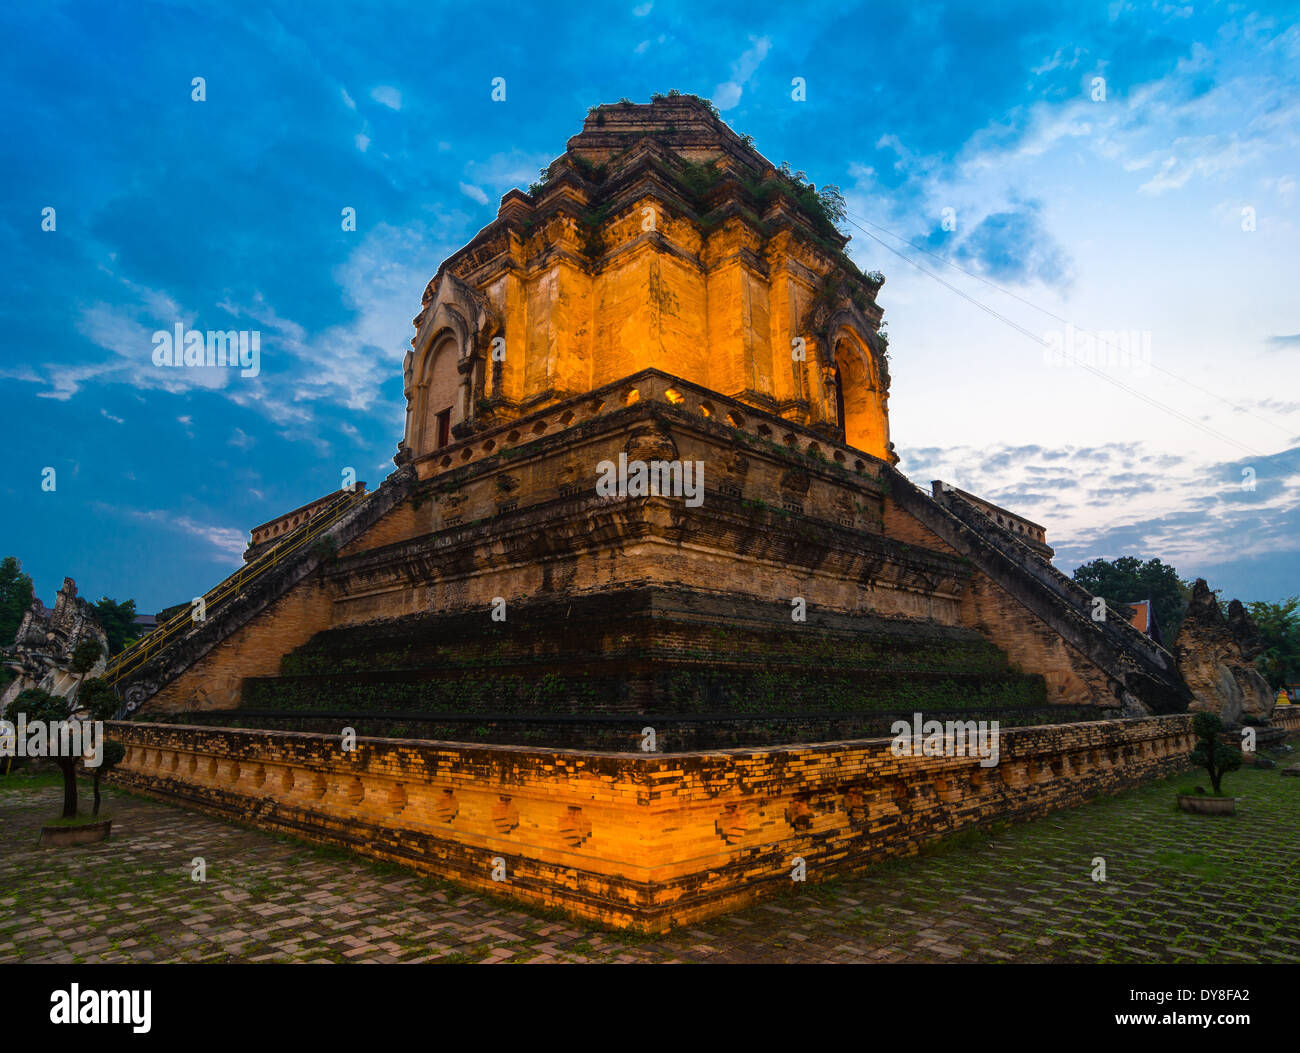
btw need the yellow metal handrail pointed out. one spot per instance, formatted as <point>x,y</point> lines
<point>138,653</point>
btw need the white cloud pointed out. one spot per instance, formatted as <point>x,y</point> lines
<point>352,363</point>
<point>386,95</point>
<point>473,193</point>
<point>1057,61</point>
<point>66,381</point>
<point>1122,499</point>
<point>502,171</point>
<point>1204,157</point>
<point>727,94</point>
<point>125,328</point>
<point>1237,119</point>
<point>225,542</point>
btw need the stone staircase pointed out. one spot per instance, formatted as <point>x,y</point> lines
<point>1144,675</point>
<point>140,671</point>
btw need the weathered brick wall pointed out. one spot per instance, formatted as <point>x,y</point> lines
<point>634,840</point>
<point>254,649</point>
<point>1032,644</point>
<point>455,548</point>
<point>512,513</point>
<point>613,733</point>
<point>398,525</point>
<point>898,524</point>
<point>199,662</point>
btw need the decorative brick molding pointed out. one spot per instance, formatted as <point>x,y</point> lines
<point>640,841</point>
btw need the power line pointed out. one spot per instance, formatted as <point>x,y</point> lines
<point>1039,340</point>
<point>1065,321</point>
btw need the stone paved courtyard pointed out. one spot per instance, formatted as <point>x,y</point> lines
<point>1179,888</point>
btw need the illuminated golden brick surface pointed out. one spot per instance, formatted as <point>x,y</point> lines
<point>634,840</point>
<point>659,241</point>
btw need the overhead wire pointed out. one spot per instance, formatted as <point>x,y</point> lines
<point>1101,374</point>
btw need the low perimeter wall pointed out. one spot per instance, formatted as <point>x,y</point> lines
<point>633,840</point>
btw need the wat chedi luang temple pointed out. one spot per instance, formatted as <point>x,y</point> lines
<point>646,583</point>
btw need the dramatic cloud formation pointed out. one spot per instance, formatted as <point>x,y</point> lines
<point>1110,167</point>
<point>1120,499</point>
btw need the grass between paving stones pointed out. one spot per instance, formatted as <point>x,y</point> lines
<point>1175,857</point>
<point>26,779</point>
<point>1019,891</point>
<point>264,888</point>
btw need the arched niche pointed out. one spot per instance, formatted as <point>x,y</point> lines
<point>439,393</point>
<point>859,395</point>
<point>441,370</point>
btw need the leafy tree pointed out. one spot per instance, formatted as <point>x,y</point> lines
<point>167,613</point>
<point>1128,579</point>
<point>84,656</point>
<point>16,594</point>
<point>827,203</point>
<point>1211,753</point>
<point>833,205</point>
<point>118,620</point>
<point>49,709</point>
<point>41,706</point>
<point>97,696</point>
<point>1279,632</point>
<point>112,756</point>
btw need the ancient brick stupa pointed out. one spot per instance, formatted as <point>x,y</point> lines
<point>666,301</point>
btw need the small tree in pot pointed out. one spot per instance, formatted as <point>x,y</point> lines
<point>1211,753</point>
<point>95,701</point>
<point>113,753</point>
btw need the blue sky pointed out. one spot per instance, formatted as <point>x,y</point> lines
<point>1162,214</point>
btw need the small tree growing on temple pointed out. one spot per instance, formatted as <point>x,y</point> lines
<point>1211,753</point>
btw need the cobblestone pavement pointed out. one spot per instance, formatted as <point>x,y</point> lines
<point>1177,888</point>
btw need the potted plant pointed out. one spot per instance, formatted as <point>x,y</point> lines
<point>113,752</point>
<point>41,714</point>
<point>1217,758</point>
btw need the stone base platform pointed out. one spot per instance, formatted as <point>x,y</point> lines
<point>641,841</point>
